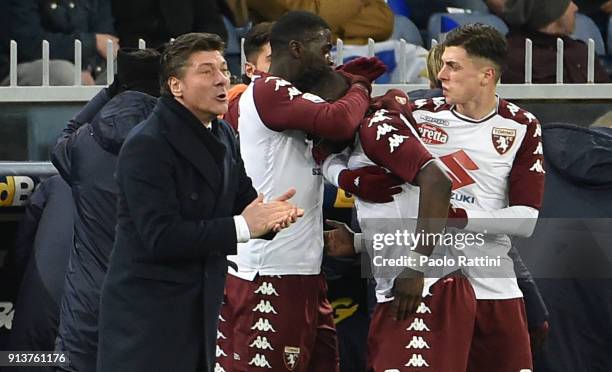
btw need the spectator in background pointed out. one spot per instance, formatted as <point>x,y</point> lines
<point>157,21</point>
<point>60,23</point>
<point>258,58</point>
<point>543,21</point>
<point>86,157</point>
<point>421,10</point>
<point>599,11</point>
<point>354,21</point>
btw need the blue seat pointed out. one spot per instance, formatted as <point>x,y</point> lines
<point>587,29</point>
<point>450,20</point>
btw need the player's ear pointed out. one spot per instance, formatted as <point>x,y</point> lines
<point>249,69</point>
<point>296,49</point>
<point>490,75</point>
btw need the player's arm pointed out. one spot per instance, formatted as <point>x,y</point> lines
<point>282,106</point>
<point>525,194</point>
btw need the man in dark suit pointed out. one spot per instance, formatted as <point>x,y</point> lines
<point>184,203</point>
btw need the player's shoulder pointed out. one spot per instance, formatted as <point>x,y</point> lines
<point>435,104</point>
<point>511,111</point>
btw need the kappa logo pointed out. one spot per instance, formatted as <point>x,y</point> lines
<point>383,129</point>
<point>260,361</point>
<point>6,315</point>
<point>218,368</point>
<point>420,103</point>
<point>236,356</point>
<point>503,139</point>
<point>432,134</point>
<point>538,167</point>
<point>438,101</point>
<point>263,325</point>
<point>313,98</point>
<point>291,357</point>
<point>220,335</point>
<point>356,182</point>
<point>423,309</point>
<point>221,318</point>
<point>539,150</point>
<point>418,325</point>
<point>513,108</point>
<point>261,343</point>
<point>538,131</point>
<point>379,116</point>
<point>417,361</point>
<point>219,352</point>
<point>264,306</point>
<point>266,289</point>
<point>396,140</point>
<point>417,342</point>
<point>530,116</point>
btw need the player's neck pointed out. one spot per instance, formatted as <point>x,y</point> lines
<point>479,107</point>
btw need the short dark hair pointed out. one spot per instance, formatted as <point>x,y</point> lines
<point>256,38</point>
<point>177,52</point>
<point>482,41</point>
<point>294,25</point>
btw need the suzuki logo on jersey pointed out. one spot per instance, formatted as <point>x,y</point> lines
<point>265,307</point>
<point>6,315</point>
<point>266,289</point>
<point>417,361</point>
<point>261,343</point>
<point>418,325</point>
<point>458,163</point>
<point>291,357</point>
<point>417,342</point>
<point>462,198</point>
<point>260,361</point>
<point>503,139</point>
<point>263,325</point>
<point>431,134</point>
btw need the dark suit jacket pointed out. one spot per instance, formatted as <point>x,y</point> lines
<point>179,186</point>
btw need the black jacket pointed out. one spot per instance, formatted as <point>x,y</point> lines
<point>570,254</point>
<point>60,22</point>
<point>179,187</point>
<point>38,303</point>
<point>86,157</point>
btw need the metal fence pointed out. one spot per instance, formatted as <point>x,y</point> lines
<point>527,91</point>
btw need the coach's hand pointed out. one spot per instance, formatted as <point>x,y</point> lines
<point>272,216</point>
<point>372,184</point>
<point>408,293</point>
<point>370,68</point>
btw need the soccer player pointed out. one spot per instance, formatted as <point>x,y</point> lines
<point>276,314</point>
<point>258,58</point>
<point>492,150</point>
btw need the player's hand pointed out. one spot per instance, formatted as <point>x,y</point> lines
<point>357,79</point>
<point>408,293</point>
<point>292,216</point>
<point>339,241</point>
<point>537,336</point>
<point>372,184</point>
<point>370,68</point>
<point>276,215</point>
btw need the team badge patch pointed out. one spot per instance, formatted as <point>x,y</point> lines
<point>503,139</point>
<point>401,100</point>
<point>291,357</point>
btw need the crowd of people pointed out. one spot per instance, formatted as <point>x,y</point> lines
<point>198,231</point>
